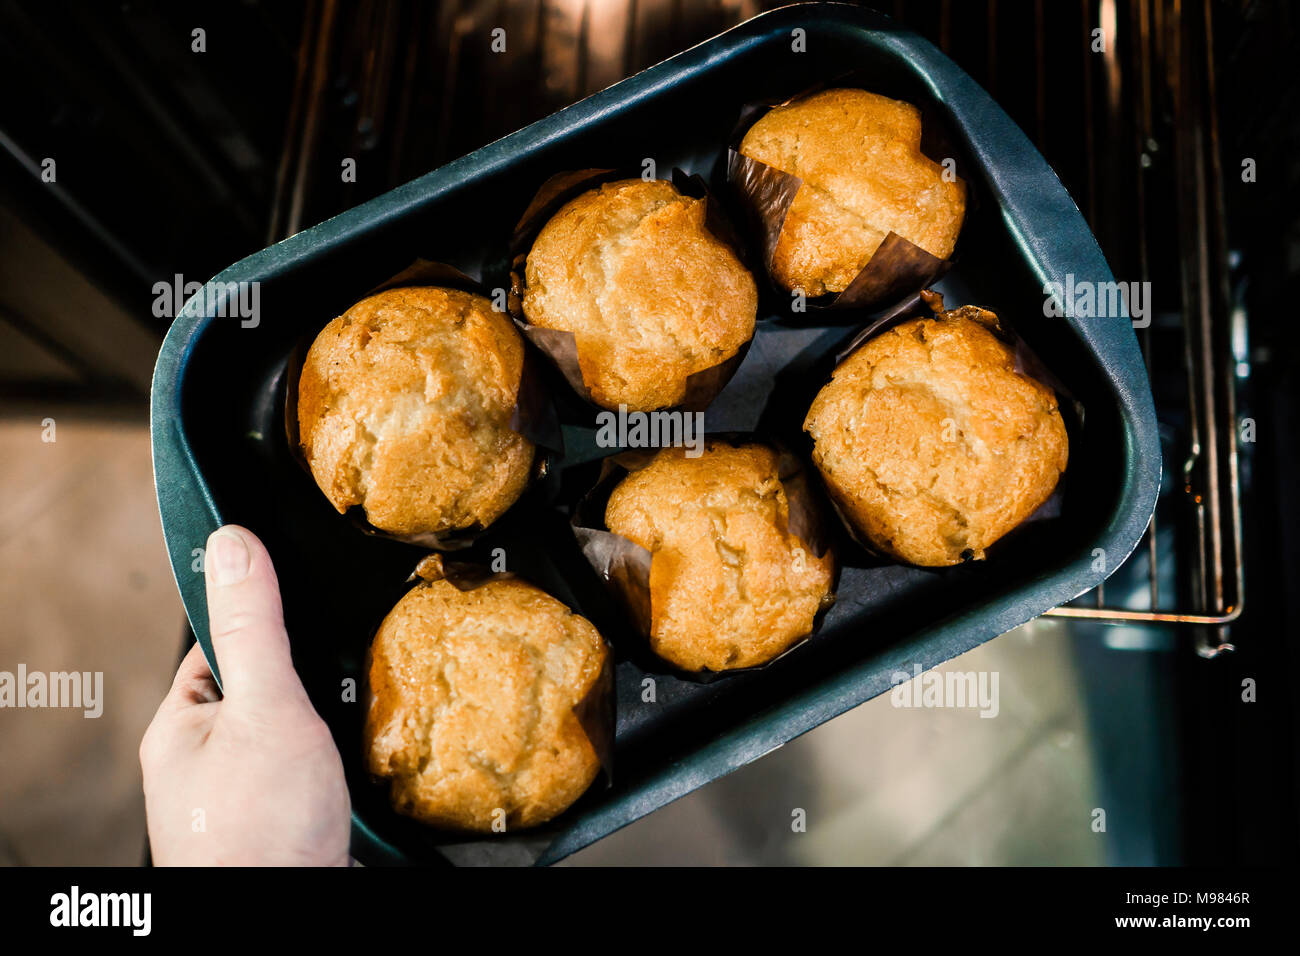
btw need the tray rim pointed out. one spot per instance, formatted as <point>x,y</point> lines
<point>188,512</point>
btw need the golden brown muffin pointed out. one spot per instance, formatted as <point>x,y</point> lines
<point>471,707</point>
<point>932,444</point>
<point>649,293</point>
<point>404,408</point>
<point>730,586</point>
<point>864,176</point>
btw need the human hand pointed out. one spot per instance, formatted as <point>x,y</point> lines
<point>251,777</point>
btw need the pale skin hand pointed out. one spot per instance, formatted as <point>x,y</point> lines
<point>256,767</point>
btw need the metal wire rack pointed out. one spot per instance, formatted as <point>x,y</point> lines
<point>1167,70</point>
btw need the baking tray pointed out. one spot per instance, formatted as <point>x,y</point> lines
<point>220,454</point>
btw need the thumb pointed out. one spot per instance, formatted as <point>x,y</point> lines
<point>246,619</point>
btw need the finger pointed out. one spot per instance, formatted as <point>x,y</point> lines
<point>245,617</point>
<point>193,683</point>
<point>192,689</point>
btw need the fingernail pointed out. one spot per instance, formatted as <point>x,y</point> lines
<point>227,558</point>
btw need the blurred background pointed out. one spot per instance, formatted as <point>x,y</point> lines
<point>134,150</point>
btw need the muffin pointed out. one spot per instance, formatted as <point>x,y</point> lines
<point>730,585</point>
<point>471,704</point>
<point>931,442</point>
<point>649,293</point>
<point>404,408</point>
<point>864,176</point>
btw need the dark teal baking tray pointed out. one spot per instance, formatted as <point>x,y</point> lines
<point>220,454</point>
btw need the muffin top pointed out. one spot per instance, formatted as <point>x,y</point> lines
<point>471,707</point>
<point>933,443</point>
<point>650,294</point>
<point>864,176</point>
<point>730,586</point>
<point>404,407</point>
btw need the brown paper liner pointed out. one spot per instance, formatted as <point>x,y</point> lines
<point>1026,363</point>
<point>533,415</point>
<point>624,566</point>
<point>561,346</point>
<point>897,268</point>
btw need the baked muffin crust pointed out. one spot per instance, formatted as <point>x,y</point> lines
<point>404,407</point>
<point>471,706</point>
<point>864,176</point>
<point>650,294</point>
<point>931,442</point>
<point>730,586</point>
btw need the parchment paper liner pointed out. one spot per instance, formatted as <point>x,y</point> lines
<point>595,713</point>
<point>560,346</point>
<point>898,267</point>
<point>926,304</point>
<point>533,416</point>
<point>624,566</point>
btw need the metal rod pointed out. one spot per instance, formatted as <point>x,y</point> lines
<point>1151,617</point>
